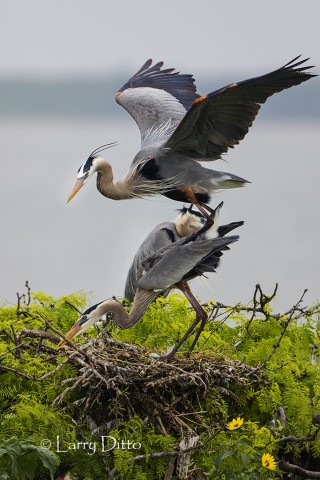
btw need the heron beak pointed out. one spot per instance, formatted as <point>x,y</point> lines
<point>79,183</point>
<point>72,333</point>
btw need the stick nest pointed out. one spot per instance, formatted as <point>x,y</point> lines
<point>126,380</point>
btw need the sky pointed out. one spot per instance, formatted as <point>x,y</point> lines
<point>76,38</point>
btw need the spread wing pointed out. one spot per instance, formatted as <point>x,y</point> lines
<point>154,97</point>
<point>219,120</point>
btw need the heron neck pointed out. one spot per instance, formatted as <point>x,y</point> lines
<point>182,229</point>
<point>109,189</point>
<point>122,318</point>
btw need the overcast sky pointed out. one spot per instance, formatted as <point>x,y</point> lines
<point>50,37</point>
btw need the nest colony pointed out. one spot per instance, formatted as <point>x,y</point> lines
<point>120,380</point>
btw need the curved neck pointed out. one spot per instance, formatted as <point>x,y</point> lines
<point>182,229</point>
<point>106,186</point>
<point>122,318</point>
<point>187,223</point>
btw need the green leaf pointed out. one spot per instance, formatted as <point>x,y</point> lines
<point>220,458</point>
<point>4,476</point>
<point>27,466</point>
<point>48,459</point>
<point>245,458</point>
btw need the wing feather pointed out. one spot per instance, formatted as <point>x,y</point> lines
<point>178,261</point>
<point>154,97</point>
<point>219,120</point>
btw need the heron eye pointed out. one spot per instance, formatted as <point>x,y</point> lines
<point>83,319</point>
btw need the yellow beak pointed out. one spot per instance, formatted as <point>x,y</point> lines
<point>72,333</point>
<point>79,183</point>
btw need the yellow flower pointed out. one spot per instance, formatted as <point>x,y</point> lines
<point>268,461</point>
<point>235,423</point>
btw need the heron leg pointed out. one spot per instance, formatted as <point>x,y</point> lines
<point>202,207</point>
<point>197,335</point>
<point>201,316</point>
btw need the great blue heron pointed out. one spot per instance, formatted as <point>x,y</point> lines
<point>179,128</point>
<point>170,267</point>
<point>187,221</point>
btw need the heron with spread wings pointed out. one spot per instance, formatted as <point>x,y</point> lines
<point>179,128</point>
<point>172,266</point>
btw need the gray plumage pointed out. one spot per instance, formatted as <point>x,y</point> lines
<point>188,257</point>
<point>179,128</point>
<point>169,267</point>
<point>165,270</point>
<point>164,234</point>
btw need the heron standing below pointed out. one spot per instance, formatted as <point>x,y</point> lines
<point>170,267</point>
<point>187,221</point>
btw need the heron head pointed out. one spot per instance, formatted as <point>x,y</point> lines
<point>88,168</point>
<point>188,221</point>
<point>87,320</point>
<point>85,171</point>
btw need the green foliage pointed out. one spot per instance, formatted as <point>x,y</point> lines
<point>283,347</point>
<point>20,459</point>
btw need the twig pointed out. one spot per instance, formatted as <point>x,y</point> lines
<point>114,471</point>
<point>71,344</point>
<point>285,327</point>
<point>73,306</point>
<point>291,439</point>
<point>11,350</point>
<point>17,372</point>
<point>28,293</point>
<point>36,334</point>
<point>29,377</point>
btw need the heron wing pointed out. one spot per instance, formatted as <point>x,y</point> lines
<point>161,236</point>
<point>225,229</point>
<point>219,120</point>
<point>154,97</point>
<point>175,263</point>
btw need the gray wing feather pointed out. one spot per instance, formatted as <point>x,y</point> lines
<point>157,100</point>
<point>219,120</point>
<point>164,271</point>
<point>161,236</point>
<point>172,266</point>
<point>180,86</point>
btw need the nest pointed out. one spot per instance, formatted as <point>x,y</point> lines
<point>120,380</point>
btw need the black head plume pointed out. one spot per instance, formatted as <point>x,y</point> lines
<point>101,149</point>
<point>185,209</point>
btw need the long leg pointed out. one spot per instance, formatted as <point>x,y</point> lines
<point>202,207</point>
<point>201,316</point>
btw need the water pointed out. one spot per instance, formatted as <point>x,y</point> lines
<point>88,244</point>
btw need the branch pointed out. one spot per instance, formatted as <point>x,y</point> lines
<point>55,330</point>
<point>17,372</point>
<point>301,472</point>
<point>114,471</point>
<point>73,306</point>
<point>291,439</point>
<point>36,334</point>
<point>11,350</point>
<point>30,377</point>
<point>285,326</point>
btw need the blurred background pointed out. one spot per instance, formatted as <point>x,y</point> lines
<point>61,64</point>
